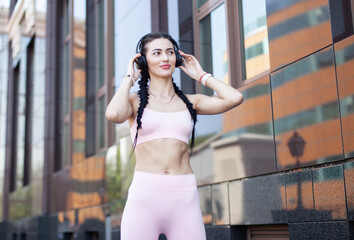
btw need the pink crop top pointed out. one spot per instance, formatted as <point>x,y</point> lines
<point>157,125</point>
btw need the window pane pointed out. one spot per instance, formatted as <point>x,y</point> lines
<point>3,100</point>
<point>101,122</point>
<point>213,45</point>
<point>21,118</point>
<point>341,19</point>
<point>65,145</point>
<point>66,17</point>
<point>100,44</point>
<point>255,38</point>
<point>64,81</point>
<point>79,81</point>
<point>90,122</point>
<point>38,112</point>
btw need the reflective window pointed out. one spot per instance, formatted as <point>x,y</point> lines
<point>96,78</point>
<point>100,46</point>
<point>306,111</point>
<point>341,19</point>
<point>65,78</point>
<point>255,48</point>
<point>344,54</point>
<point>38,108</point>
<point>3,99</point>
<point>213,45</point>
<point>90,122</point>
<point>101,122</point>
<point>292,26</point>
<point>79,81</point>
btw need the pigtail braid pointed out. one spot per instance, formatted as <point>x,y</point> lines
<point>191,110</point>
<point>144,99</point>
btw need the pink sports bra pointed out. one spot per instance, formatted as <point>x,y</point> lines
<point>157,125</point>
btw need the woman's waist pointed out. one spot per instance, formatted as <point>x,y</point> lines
<point>163,164</point>
<point>171,182</point>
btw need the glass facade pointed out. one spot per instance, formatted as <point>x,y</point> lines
<point>255,46</point>
<point>64,83</point>
<point>213,45</point>
<point>96,79</point>
<point>3,106</point>
<point>79,81</point>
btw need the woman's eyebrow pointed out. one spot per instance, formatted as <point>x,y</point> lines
<point>159,49</point>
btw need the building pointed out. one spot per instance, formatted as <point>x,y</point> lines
<point>279,165</point>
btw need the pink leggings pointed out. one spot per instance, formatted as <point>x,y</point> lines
<point>166,204</point>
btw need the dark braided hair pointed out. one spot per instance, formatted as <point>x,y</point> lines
<point>143,92</point>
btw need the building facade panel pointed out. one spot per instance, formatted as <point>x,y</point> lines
<point>291,27</point>
<point>344,54</point>
<point>259,200</point>
<point>349,188</point>
<point>306,112</point>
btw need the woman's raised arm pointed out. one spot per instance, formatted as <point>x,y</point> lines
<point>120,107</point>
<point>227,96</point>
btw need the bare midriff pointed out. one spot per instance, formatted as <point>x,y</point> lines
<point>163,156</point>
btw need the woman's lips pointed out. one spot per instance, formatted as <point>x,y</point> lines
<point>166,66</point>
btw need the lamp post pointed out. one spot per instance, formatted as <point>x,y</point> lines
<point>296,145</point>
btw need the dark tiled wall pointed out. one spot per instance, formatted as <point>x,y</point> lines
<point>311,199</point>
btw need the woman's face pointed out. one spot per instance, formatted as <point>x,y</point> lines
<point>161,57</point>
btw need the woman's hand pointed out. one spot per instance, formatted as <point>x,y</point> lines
<point>191,66</point>
<point>135,73</point>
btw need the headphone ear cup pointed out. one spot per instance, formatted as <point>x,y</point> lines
<point>142,63</point>
<point>179,59</point>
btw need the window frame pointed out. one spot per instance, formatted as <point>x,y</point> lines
<point>234,43</point>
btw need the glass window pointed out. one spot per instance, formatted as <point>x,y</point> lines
<point>100,36</point>
<point>3,99</point>
<point>213,45</point>
<point>254,42</point>
<point>101,122</point>
<point>38,108</point>
<point>65,78</point>
<point>341,19</point>
<point>65,145</point>
<point>95,78</point>
<point>90,143</point>
<point>79,81</point>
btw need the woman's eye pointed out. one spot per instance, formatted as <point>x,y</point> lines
<point>171,52</point>
<point>156,53</point>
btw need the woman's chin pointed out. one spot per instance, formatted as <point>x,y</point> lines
<point>165,74</point>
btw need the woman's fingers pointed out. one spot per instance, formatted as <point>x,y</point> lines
<point>135,57</point>
<point>131,69</point>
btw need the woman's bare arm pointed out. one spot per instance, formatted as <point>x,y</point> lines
<point>120,107</point>
<point>227,96</point>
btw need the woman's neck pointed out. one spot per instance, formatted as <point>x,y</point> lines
<point>161,86</point>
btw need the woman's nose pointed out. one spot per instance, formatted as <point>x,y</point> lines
<point>165,57</point>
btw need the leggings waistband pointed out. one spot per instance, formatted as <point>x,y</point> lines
<point>155,181</point>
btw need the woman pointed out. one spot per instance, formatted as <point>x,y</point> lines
<point>163,196</point>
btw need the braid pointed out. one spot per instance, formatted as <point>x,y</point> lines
<point>144,99</point>
<point>191,110</point>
